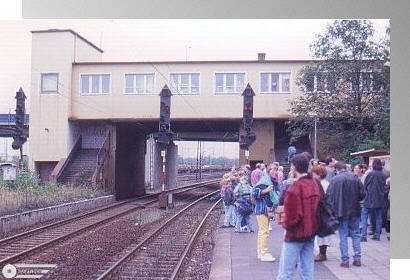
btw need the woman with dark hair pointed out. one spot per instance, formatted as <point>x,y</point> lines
<point>321,243</point>
<point>374,201</point>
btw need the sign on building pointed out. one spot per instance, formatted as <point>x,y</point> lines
<point>9,171</point>
<point>385,159</point>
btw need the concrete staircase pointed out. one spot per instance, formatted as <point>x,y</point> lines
<point>81,168</point>
<point>281,151</point>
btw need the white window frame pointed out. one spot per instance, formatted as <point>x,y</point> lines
<point>135,83</point>
<point>41,83</point>
<point>315,85</point>
<point>179,92</point>
<point>90,84</point>
<point>350,84</point>
<point>245,82</point>
<point>371,89</point>
<point>280,82</point>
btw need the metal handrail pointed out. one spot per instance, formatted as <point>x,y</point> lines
<point>103,147</point>
<point>101,157</point>
<point>63,163</point>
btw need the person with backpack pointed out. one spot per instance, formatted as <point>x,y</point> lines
<point>300,222</point>
<point>345,192</point>
<point>273,172</point>
<point>319,173</point>
<point>291,152</point>
<point>374,200</point>
<point>262,195</point>
<point>229,200</point>
<point>243,204</point>
<point>286,184</point>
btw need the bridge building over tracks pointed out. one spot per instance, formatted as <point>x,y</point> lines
<point>90,119</point>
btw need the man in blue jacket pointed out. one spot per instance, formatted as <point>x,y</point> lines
<point>374,200</point>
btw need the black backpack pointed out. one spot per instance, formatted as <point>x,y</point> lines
<point>244,207</point>
<point>327,221</point>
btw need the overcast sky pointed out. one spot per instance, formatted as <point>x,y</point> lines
<point>142,40</point>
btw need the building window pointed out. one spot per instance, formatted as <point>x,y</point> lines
<point>310,83</point>
<point>49,82</point>
<point>139,83</point>
<point>273,82</point>
<point>229,82</point>
<point>368,82</point>
<point>95,84</point>
<point>320,82</point>
<point>185,83</point>
<point>326,82</point>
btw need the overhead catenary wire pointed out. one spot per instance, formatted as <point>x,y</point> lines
<point>196,111</point>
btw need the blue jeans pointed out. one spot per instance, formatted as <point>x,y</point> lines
<point>230,215</point>
<point>365,214</point>
<point>296,253</point>
<point>349,225</point>
<point>239,218</point>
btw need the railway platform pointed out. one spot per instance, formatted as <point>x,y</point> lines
<point>235,258</point>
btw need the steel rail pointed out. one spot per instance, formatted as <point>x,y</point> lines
<point>191,241</point>
<point>96,211</point>
<point>111,271</point>
<point>88,226</point>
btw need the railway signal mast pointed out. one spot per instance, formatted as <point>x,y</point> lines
<point>19,130</point>
<point>164,137</point>
<point>246,140</point>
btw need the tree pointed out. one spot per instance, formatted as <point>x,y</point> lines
<point>347,90</point>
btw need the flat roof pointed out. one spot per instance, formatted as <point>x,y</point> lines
<point>192,61</point>
<point>70,31</point>
<point>197,61</point>
<point>370,153</point>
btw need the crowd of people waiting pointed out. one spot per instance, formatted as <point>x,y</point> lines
<point>294,201</point>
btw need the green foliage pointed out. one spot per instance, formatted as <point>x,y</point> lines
<point>347,90</point>
<point>25,180</point>
<point>26,193</point>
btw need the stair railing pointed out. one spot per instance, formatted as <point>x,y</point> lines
<point>63,163</point>
<point>102,159</point>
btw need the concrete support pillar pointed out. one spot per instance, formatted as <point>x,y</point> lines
<point>156,173</point>
<point>172,166</point>
<point>129,161</point>
<point>262,150</point>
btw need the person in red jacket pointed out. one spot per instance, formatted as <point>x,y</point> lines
<point>300,207</point>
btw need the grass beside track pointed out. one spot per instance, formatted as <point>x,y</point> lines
<point>26,194</point>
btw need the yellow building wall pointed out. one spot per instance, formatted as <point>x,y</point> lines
<point>52,136</point>
<point>52,52</point>
<point>262,148</point>
<point>206,105</point>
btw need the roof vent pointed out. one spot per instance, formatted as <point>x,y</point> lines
<point>261,56</point>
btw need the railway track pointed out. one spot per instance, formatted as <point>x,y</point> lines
<point>25,244</point>
<point>161,254</point>
<point>193,176</point>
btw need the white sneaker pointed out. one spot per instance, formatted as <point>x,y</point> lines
<point>270,227</point>
<point>267,258</point>
<point>244,228</point>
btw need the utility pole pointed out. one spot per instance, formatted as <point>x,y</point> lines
<point>315,144</point>
<point>197,161</point>
<point>200,160</point>
<point>7,142</point>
